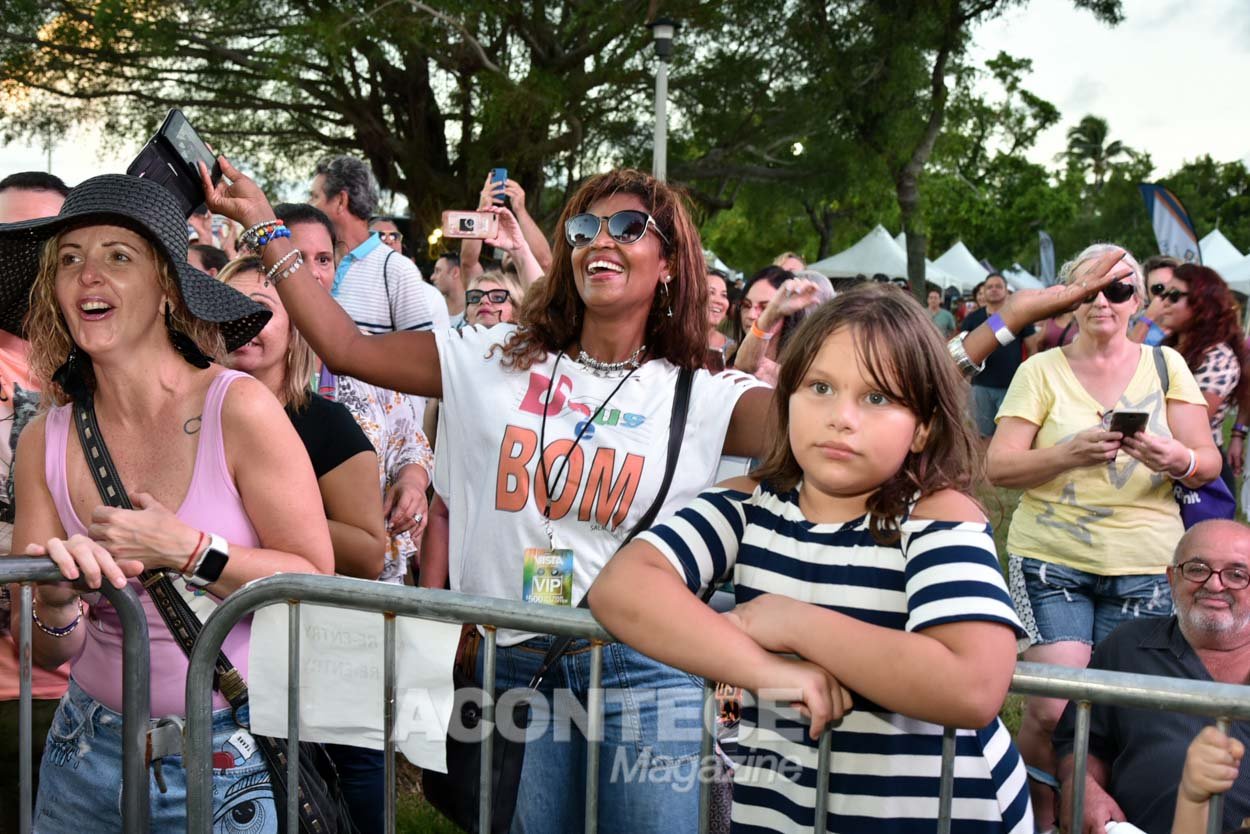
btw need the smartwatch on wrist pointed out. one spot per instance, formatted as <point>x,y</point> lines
<point>210,563</point>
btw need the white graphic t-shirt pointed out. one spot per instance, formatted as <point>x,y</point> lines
<point>486,461</point>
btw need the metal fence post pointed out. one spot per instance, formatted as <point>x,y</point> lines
<point>292,716</point>
<point>388,718</point>
<point>707,755</point>
<point>946,786</point>
<point>594,710</point>
<point>487,724</point>
<point>136,694</point>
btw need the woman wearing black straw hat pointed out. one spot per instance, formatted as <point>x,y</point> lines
<point>124,332</point>
<point>556,444</point>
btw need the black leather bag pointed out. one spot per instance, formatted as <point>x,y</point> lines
<point>322,809</point>
<point>456,793</point>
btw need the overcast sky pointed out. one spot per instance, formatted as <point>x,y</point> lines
<point>1170,80</point>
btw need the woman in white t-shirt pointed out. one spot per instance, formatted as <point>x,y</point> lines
<point>587,376</point>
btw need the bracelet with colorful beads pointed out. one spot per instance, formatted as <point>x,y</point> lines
<point>254,237</point>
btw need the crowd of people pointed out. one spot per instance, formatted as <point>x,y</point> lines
<point>284,391</point>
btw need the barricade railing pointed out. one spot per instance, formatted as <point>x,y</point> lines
<point>1085,687</point>
<point>27,571</point>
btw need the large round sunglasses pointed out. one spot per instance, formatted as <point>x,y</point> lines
<point>493,296</point>
<point>625,226</point>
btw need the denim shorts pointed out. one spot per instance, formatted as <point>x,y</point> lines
<point>649,757</point>
<point>80,776</point>
<point>1058,604</point>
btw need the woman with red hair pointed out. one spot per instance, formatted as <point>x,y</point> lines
<point>1203,318</point>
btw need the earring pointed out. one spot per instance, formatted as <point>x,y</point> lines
<point>668,299</point>
<point>182,343</point>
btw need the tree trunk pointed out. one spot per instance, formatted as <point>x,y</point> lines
<point>908,192</point>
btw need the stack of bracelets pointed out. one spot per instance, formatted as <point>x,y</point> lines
<point>256,237</point>
<point>1239,430</point>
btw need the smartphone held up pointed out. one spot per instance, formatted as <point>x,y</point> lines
<point>479,225</point>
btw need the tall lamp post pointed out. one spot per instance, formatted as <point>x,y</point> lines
<point>662,32</point>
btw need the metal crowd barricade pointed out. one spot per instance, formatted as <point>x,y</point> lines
<point>1224,702</point>
<point>135,688</point>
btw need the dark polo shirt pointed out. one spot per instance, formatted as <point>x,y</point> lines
<point>1145,749</point>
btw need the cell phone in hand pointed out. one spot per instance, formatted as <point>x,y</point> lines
<point>1129,422</point>
<point>171,159</point>
<point>479,225</point>
<point>500,176</point>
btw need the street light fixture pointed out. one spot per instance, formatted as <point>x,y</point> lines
<point>663,31</point>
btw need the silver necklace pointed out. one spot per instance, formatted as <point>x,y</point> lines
<point>609,368</point>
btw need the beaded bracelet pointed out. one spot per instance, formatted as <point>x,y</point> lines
<point>278,264</point>
<point>289,271</point>
<point>251,237</point>
<point>262,239</point>
<point>58,633</point>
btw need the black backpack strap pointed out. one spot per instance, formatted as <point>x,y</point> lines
<point>676,432</point>
<point>182,622</point>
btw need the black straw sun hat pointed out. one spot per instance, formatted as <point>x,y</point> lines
<point>147,209</point>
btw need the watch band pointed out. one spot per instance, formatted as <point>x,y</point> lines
<point>211,563</point>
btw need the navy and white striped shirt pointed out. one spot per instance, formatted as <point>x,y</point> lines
<point>885,768</point>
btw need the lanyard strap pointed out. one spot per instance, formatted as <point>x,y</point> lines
<point>548,484</point>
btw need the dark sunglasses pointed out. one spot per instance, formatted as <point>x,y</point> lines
<point>391,237</point>
<point>493,296</point>
<point>625,226</point>
<point>1116,292</point>
<point>1161,291</point>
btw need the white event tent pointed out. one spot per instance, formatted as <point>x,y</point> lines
<point>1019,278</point>
<point>1218,252</point>
<point>876,252</point>
<point>960,263</point>
<point>1237,276</point>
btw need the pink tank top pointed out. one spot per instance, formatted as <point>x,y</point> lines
<point>212,504</point>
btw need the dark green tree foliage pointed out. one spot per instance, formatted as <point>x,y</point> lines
<point>537,86</point>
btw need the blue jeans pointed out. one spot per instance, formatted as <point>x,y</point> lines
<point>361,776</point>
<point>985,404</point>
<point>649,756</point>
<point>80,777</point>
<point>1071,605</point>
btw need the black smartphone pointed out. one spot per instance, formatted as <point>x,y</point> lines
<point>1129,422</point>
<point>171,158</point>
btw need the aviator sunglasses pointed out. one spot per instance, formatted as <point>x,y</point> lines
<point>1117,293</point>
<point>1172,296</point>
<point>493,296</point>
<point>625,226</point>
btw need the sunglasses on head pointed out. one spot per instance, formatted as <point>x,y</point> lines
<point>625,226</point>
<point>1116,292</point>
<point>493,296</point>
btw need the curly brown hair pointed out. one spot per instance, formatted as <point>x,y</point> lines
<point>550,318</point>
<point>907,360</point>
<point>1214,320</point>
<point>50,342</point>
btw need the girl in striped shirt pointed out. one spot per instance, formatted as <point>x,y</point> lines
<point>857,548</point>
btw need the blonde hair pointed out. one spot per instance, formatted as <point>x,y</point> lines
<point>50,341</point>
<point>507,280</point>
<point>1097,250</point>
<point>297,371</point>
